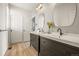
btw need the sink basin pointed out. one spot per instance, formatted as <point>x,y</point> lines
<point>53,34</point>
<point>70,37</point>
<point>66,36</point>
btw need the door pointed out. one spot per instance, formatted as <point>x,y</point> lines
<point>16,26</point>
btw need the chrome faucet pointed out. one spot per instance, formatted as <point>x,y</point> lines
<point>40,30</point>
<point>60,31</point>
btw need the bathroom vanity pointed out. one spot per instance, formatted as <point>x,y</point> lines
<point>52,45</point>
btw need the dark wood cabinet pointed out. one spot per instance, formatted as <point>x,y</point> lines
<point>50,47</point>
<point>34,41</point>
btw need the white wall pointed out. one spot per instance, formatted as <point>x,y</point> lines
<point>2,16</point>
<point>3,26</point>
<point>4,42</point>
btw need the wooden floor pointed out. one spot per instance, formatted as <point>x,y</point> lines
<point>21,49</point>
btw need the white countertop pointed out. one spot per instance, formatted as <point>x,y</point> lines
<point>68,38</point>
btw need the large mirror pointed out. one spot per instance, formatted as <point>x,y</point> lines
<point>40,20</point>
<point>64,14</point>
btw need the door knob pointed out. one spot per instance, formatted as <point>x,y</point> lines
<point>23,30</point>
<point>11,30</point>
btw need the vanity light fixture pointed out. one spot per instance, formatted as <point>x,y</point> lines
<point>39,7</point>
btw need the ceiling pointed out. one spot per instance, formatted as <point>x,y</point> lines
<point>32,6</point>
<point>26,6</point>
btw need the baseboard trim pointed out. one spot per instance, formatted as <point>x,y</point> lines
<point>18,42</point>
<point>5,52</point>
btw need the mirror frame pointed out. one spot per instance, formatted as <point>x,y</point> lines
<point>38,15</point>
<point>73,17</point>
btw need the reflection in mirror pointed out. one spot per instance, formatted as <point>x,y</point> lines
<point>64,14</point>
<point>40,20</point>
<point>33,24</point>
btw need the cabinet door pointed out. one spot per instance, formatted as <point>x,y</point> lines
<point>50,48</point>
<point>67,49</point>
<point>34,40</point>
<point>71,50</point>
<point>31,40</point>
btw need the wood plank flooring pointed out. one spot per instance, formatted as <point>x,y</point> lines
<point>21,49</point>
